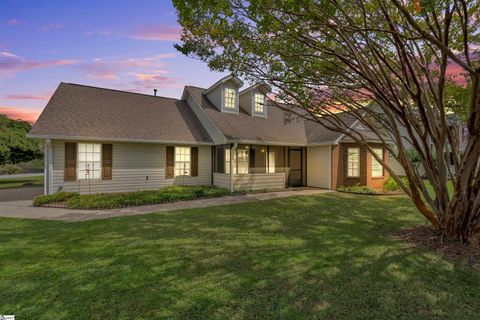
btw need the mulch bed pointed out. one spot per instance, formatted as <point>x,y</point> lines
<point>429,239</point>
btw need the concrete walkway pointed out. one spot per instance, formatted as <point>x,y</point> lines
<point>24,208</point>
<point>24,193</point>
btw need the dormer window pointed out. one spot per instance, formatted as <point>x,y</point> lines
<point>230,98</point>
<point>259,103</point>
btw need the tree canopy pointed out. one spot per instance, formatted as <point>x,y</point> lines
<point>392,55</point>
<point>14,145</point>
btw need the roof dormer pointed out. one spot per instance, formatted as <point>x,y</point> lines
<point>224,94</point>
<point>254,99</point>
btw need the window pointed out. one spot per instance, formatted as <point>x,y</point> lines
<point>271,162</point>
<point>259,103</point>
<point>230,97</point>
<point>377,168</point>
<point>242,161</point>
<point>353,162</point>
<point>89,161</point>
<point>182,161</point>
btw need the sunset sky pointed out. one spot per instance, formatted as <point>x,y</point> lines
<point>120,44</point>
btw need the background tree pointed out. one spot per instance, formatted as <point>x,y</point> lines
<point>15,147</point>
<point>384,61</point>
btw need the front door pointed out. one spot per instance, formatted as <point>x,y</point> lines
<point>295,162</point>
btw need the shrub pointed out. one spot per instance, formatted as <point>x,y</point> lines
<point>138,198</point>
<point>53,198</point>
<point>11,169</point>
<point>391,185</point>
<point>357,189</point>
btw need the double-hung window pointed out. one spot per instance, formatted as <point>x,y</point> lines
<point>377,168</point>
<point>89,161</point>
<point>182,161</point>
<point>242,161</point>
<point>353,162</point>
<point>259,103</point>
<point>230,98</point>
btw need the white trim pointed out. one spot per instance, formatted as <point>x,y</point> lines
<point>223,80</point>
<point>77,138</point>
<point>261,84</point>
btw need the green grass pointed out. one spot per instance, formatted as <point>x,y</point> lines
<point>327,257</point>
<point>138,198</point>
<point>10,183</point>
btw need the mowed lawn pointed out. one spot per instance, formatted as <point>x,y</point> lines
<point>9,183</point>
<point>327,256</point>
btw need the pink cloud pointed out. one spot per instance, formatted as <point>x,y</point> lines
<point>27,97</point>
<point>23,113</point>
<point>11,63</point>
<point>157,33</point>
<point>150,81</point>
<point>14,22</point>
<point>52,26</point>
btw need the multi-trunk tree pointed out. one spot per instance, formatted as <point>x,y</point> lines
<point>390,63</point>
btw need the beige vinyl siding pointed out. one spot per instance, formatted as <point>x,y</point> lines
<point>319,167</point>
<point>271,181</point>
<point>132,163</point>
<point>211,129</point>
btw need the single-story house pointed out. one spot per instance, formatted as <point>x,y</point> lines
<point>103,140</point>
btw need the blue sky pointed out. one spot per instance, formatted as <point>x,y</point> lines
<point>120,44</point>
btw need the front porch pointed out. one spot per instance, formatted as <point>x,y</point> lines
<point>254,167</point>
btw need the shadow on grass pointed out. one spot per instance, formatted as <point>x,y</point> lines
<point>323,256</point>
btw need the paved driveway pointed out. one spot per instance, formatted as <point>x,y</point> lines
<point>15,194</point>
<point>24,208</point>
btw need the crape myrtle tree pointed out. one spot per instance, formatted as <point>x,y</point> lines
<point>387,62</point>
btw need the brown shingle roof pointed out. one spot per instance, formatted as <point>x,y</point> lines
<point>279,127</point>
<point>79,111</point>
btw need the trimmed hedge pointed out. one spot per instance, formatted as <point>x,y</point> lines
<point>130,199</point>
<point>359,189</point>
<point>391,185</point>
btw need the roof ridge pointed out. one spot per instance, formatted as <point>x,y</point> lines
<point>116,90</point>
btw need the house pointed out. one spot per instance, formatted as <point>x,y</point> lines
<point>103,140</point>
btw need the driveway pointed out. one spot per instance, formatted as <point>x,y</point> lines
<point>24,208</point>
<point>25,193</point>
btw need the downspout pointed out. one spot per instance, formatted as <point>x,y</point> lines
<point>47,167</point>
<point>232,150</point>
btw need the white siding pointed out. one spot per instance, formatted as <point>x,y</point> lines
<point>132,163</point>
<point>319,167</point>
<point>271,181</point>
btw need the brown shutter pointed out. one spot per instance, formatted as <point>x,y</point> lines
<point>194,165</point>
<point>107,162</point>
<point>170,162</point>
<point>69,173</point>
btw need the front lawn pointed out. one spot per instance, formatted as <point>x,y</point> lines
<point>328,256</point>
<point>128,199</point>
<point>9,183</point>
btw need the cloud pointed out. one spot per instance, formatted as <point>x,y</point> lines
<point>52,26</point>
<point>11,63</point>
<point>105,33</point>
<point>14,22</point>
<point>149,81</point>
<point>116,68</point>
<point>157,32</point>
<point>26,96</point>
<point>23,113</point>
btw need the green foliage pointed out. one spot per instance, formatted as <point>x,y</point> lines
<point>358,189</point>
<point>54,198</point>
<point>329,256</point>
<point>14,145</point>
<point>391,185</point>
<point>11,169</point>
<point>130,199</point>
<point>414,157</point>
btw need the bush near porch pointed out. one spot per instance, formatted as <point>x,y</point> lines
<point>74,200</point>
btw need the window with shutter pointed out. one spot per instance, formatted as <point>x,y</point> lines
<point>70,161</point>
<point>107,159</point>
